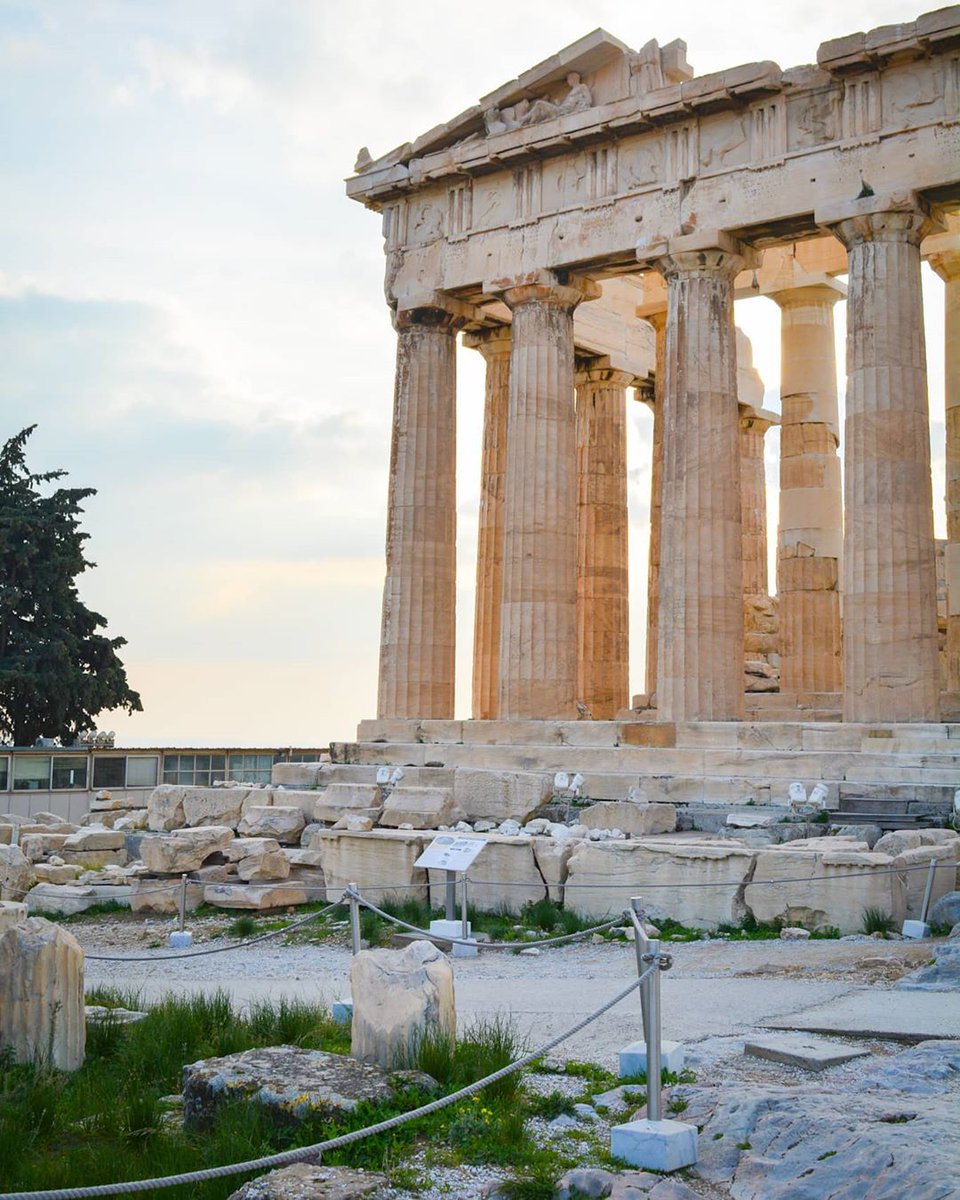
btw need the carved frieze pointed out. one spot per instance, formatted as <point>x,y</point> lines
<point>528,192</point>
<point>460,208</point>
<point>534,112</point>
<point>681,153</point>
<point>860,111</point>
<point>768,132</point>
<point>601,178</point>
<point>813,118</point>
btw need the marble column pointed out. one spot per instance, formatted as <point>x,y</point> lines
<point>810,538</point>
<point>417,640</point>
<point>753,500</point>
<point>538,615</point>
<point>603,658</point>
<point>659,323</point>
<point>494,344</point>
<point>700,651</point>
<point>890,653</point>
<point>947,266</point>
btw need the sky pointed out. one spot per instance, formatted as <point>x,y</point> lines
<point>192,313</point>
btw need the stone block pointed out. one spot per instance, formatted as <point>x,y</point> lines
<point>913,863</point>
<point>633,1058</point>
<point>339,799</point>
<point>184,849</point>
<point>37,846</point>
<point>297,775</point>
<point>297,1083</point>
<point>283,822</point>
<point>503,876</point>
<point>165,808</point>
<point>94,860</point>
<point>398,996</point>
<point>648,733</point>
<point>250,847</point>
<point>501,795</point>
<point>161,897</point>
<point>305,800</point>
<point>803,1050</point>
<point>255,896</point>
<point>655,1145</point>
<point>602,876</point>
<point>12,912</point>
<point>94,838</point>
<point>214,806</point>
<point>268,864</point>
<point>640,820</point>
<point>61,899</point>
<point>836,887</point>
<point>551,857</point>
<point>420,807</point>
<point>16,873</point>
<point>41,994</point>
<point>302,1180</point>
<point>378,862</point>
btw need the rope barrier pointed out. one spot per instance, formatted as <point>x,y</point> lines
<point>262,937</point>
<point>346,1139</point>
<point>566,937</point>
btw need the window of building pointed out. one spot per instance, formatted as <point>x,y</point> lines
<point>251,768</point>
<point>69,771</point>
<point>31,773</point>
<point>4,773</point>
<point>142,770</point>
<point>109,772</point>
<point>199,770</point>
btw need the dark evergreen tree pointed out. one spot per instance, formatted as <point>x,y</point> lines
<point>57,672</point>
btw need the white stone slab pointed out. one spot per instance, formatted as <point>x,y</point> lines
<point>810,1053</point>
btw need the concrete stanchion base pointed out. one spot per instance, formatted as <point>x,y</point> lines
<point>454,929</point>
<point>342,1011</point>
<point>180,939</point>
<point>633,1058</point>
<point>915,929</point>
<point>655,1145</point>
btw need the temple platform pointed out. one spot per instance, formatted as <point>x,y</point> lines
<point>728,764</point>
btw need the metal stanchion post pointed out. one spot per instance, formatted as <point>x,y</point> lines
<point>451,908</point>
<point>652,1031</point>
<point>464,922</point>
<point>928,890</point>
<point>183,900</point>
<point>919,928</point>
<point>354,920</point>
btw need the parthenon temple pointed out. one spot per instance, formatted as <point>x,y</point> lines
<point>587,228</point>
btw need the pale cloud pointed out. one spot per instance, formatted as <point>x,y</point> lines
<point>250,586</point>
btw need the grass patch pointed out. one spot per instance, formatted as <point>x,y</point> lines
<point>243,927</point>
<point>877,920</point>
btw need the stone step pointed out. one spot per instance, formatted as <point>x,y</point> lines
<point>887,819</point>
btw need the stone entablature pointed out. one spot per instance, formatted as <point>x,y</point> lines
<point>586,186</point>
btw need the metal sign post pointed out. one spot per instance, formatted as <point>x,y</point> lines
<point>453,854</point>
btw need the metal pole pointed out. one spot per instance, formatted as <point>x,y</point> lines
<point>640,944</point>
<point>465,924</point>
<point>354,921</point>
<point>451,913</point>
<point>654,1112</point>
<point>183,900</point>
<point>928,890</point>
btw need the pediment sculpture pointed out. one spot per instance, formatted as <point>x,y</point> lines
<point>527,112</point>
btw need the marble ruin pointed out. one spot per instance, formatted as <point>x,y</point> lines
<point>588,227</point>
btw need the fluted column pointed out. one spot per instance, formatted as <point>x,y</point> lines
<point>603,657</point>
<point>659,323</point>
<point>947,266</point>
<point>494,345</point>
<point>700,654</point>
<point>417,640</point>
<point>890,653</point>
<point>810,538</point>
<point>538,631</point>
<point>753,500</point>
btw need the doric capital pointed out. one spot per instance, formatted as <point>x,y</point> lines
<point>809,294</point>
<point>598,372</point>
<point>712,252</point>
<point>897,217</point>
<point>428,317</point>
<point>946,263</point>
<point>544,287</point>
<point>491,341</point>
